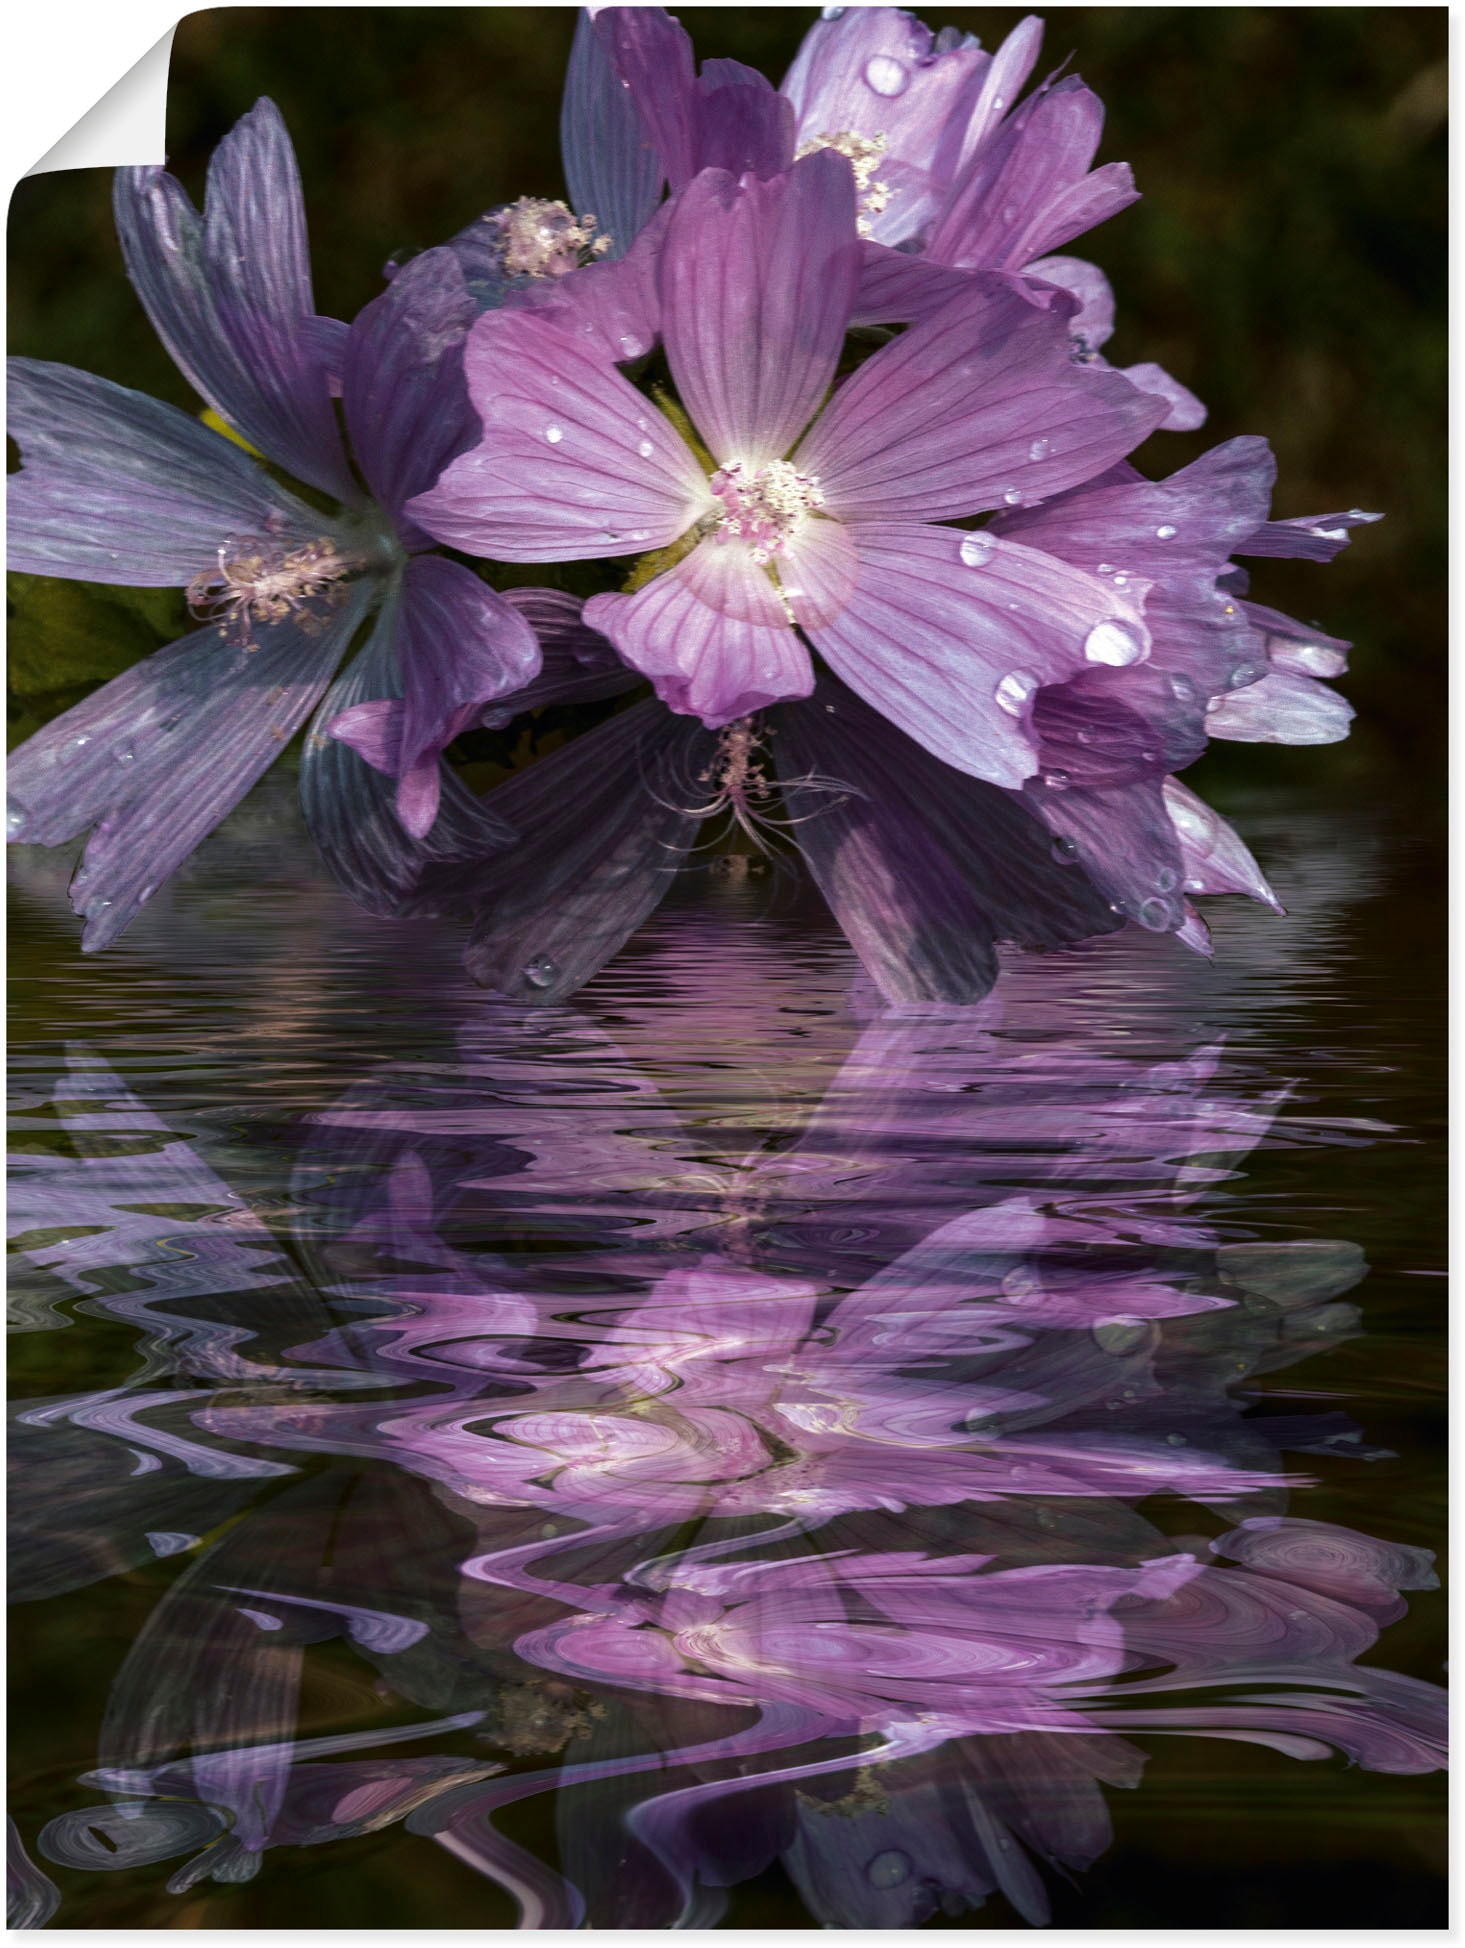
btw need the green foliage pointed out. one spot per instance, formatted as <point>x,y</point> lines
<point>66,637</point>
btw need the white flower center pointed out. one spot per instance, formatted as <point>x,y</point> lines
<point>261,581</point>
<point>864,153</point>
<point>542,239</point>
<point>765,506</point>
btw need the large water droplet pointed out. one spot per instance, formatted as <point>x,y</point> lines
<point>540,972</point>
<point>1165,533</point>
<point>645,449</point>
<point>1040,449</point>
<point>554,434</point>
<point>889,1869</point>
<point>886,75</point>
<point>1015,689</point>
<point>1057,780</point>
<point>1183,689</point>
<point>1155,915</point>
<point>631,347</point>
<point>831,13</point>
<point>1113,642</point>
<point>977,550</point>
<point>1013,497</point>
<point>1122,1334</point>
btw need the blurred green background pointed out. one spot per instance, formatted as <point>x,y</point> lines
<point>1287,262</point>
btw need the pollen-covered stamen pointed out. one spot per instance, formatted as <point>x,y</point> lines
<point>764,506</point>
<point>261,581</point>
<point>542,239</point>
<point>864,153</point>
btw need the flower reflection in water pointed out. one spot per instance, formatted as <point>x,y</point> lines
<point>851,1495</point>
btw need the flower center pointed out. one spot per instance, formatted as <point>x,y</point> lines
<point>542,239</point>
<point>764,507</point>
<point>261,581</point>
<point>864,153</point>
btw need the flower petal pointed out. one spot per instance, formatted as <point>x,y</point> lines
<point>742,122</point>
<point>574,462</point>
<point>978,406</point>
<point>459,643</point>
<point>710,633</point>
<point>1282,708</point>
<point>402,384</point>
<point>758,282</point>
<point>652,54</point>
<point>605,831</point>
<point>578,664</point>
<point>230,295</point>
<point>1123,838</point>
<point>923,867</point>
<point>162,753</point>
<point>611,164</point>
<point>116,487</point>
<point>951,635</point>
<point>1308,537</point>
<point>1213,855</point>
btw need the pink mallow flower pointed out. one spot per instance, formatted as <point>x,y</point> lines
<point>797,528</point>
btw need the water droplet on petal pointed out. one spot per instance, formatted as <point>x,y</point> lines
<point>554,434</point>
<point>1155,915</point>
<point>1176,1440</point>
<point>631,347</point>
<point>831,13</point>
<point>1040,449</point>
<point>1113,642</point>
<point>1183,689</point>
<point>15,822</point>
<point>645,449</point>
<point>1013,497</point>
<point>1010,215</point>
<point>1015,689</point>
<point>977,550</point>
<point>1065,850</point>
<point>886,75</point>
<point>889,1869</point>
<point>1165,533</point>
<point>1165,880</point>
<point>540,972</point>
<point>1057,780</point>
<point>1105,568</point>
<point>123,754</point>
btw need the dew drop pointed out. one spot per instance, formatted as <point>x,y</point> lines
<point>886,75</point>
<point>1121,581</point>
<point>170,723</point>
<point>645,449</point>
<point>1040,449</point>
<point>554,434</point>
<point>1010,215</point>
<point>1165,533</point>
<point>1183,689</point>
<point>1243,674</point>
<point>889,1869</point>
<point>1121,1334</point>
<point>540,972</point>
<point>977,550</point>
<point>15,822</point>
<point>1165,880</point>
<point>1013,497</point>
<point>832,13</point>
<point>123,754</point>
<point>1065,850</point>
<point>1154,915</point>
<point>145,895</point>
<point>1195,885</point>
<point>1113,642</point>
<point>630,346</point>
<point>1015,689</point>
<point>1057,780</point>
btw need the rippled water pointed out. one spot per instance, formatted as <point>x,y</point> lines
<point>723,1454</point>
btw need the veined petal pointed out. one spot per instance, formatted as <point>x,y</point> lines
<point>351,806</point>
<point>1307,537</point>
<point>617,304</point>
<point>742,122</point>
<point>758,281</point>
<point>951,635</point>
<point>899,287</point>
<point>1001,85</point>
<point>710,633</point>
<point>978,406</point>
<point>611,164</point>
<point>1123,838</point>
<point>1093,322</point>
<point>606,824</point>
<point>1214,857</point>
<point>459,643</point>
<point>229,294</point>
<point>402,388</point>
<point>163,752</point>
<point>923,866</point>
<point>574,463</point>
<point>652,53</point>
<point>1282,708</point>
<point>578,664</point>
<point>116,487</point>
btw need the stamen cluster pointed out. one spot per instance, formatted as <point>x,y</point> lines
<point>764,507</point>
<point>539,238</point>
<point>260,581</point>
<point>864,153</point>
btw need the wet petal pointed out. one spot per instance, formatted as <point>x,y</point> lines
<point>1214,857</point>
<point>1282,708</point>
<point>574,462</point>
<point>612,166</point>
<point>979,406</point>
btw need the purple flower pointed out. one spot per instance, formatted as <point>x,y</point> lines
<point>125,489</point>
<point>977,407</point>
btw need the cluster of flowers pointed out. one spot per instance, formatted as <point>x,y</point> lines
<point>801,363</point>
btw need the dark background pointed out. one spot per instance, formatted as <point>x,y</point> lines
<point>1287,262</point>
